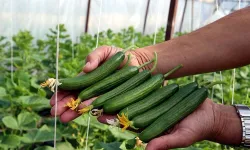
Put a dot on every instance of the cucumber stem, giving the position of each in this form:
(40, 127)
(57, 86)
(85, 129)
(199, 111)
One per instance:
(156, 61)
(204, 83)
(128, 61)
(149, 62)
(130, 47)
(173, 70)
(214, 83)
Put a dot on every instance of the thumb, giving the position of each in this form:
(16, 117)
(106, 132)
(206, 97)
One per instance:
(169, 141)
(99, 55)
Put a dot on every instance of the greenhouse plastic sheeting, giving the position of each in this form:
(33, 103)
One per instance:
(38, 16)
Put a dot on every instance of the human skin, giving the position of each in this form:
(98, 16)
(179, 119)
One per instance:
(224, 44)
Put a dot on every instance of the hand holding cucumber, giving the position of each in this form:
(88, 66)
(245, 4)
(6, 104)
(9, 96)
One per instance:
(93, 60)
(196, 127)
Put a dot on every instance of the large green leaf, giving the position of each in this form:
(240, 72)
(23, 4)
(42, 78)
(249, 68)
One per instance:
(23, 78)
(34, 102)
(10, 122)
(118, 133)
(41, 135)
(64, 145)
(83, 120)
(26, 121)
(11, 141)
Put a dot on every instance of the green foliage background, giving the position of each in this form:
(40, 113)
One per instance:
(25, 121)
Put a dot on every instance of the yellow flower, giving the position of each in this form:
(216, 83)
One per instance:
(73, 104)
(51, 83)
(85, 109)
(123, 120)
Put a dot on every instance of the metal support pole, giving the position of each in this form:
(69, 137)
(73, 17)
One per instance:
(146, 16)
(171, 19)
(87, 19)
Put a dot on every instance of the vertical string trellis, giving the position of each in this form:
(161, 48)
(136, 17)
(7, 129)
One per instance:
(57, 67)
(192, 25)
(234, 70)
(156, 22)
(221, 76)
(97, 42)
(72, 30)
(214, 74)
(11, 42)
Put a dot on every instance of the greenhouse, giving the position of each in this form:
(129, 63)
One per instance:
(124, 74)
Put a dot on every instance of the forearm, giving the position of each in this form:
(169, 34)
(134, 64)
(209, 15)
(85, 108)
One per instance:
(227, 128)
(222, 45)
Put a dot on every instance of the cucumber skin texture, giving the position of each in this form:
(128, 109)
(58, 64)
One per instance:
(98, 74)
(146, 118)
(124, 87)
(119, 102)
(150, 101)
(109, 82)
(174, 115)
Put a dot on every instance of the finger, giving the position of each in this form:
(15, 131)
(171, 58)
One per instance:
(103, 118)
(72, 114)
(169, 141)
(60, 96)
(61, 105)
(95, 58)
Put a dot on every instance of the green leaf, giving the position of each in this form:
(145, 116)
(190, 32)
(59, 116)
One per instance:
(41, 92)
(34, 84)
(44, 148)
(34, 102)
(4, 104)
(11, 141)
(26, 121)
(22, 75)
(108, 146)
(41, 135)
(64, 145)
(2, 92)
(117, 132)
(83, 120)
(10, 122)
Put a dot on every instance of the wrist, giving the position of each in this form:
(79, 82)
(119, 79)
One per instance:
(228, 127)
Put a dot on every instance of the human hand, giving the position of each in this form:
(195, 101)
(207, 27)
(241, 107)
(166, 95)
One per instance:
(209, 121)
(93, 60)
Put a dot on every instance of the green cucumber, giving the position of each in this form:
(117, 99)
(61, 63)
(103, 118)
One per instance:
(174, 115)
(150, 101)
(146, 118)
(111, 81)
(124, 87)
(121, 101)
(83, 81)
(94, 76)
(129, 84)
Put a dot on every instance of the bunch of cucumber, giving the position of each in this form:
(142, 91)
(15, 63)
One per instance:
(137, 97)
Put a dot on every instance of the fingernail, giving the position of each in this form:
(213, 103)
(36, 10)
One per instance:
(86, 65)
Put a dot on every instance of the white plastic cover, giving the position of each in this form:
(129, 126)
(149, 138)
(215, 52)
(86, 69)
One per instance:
(38, 16)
